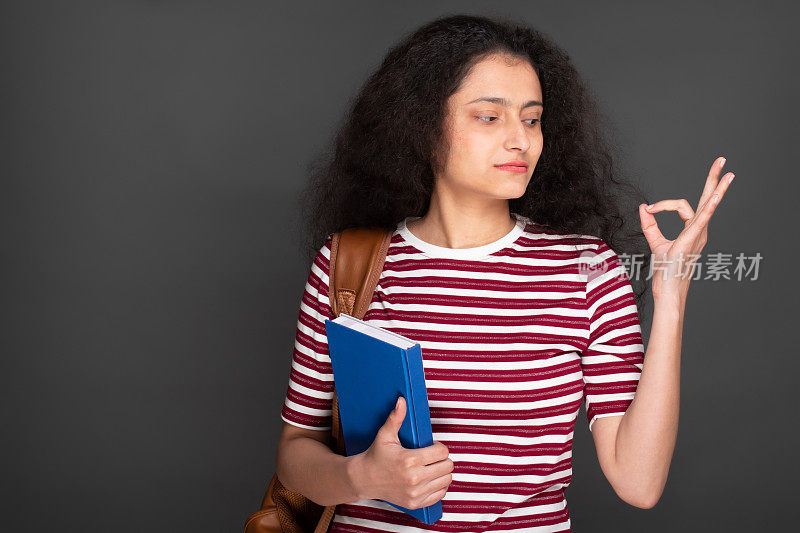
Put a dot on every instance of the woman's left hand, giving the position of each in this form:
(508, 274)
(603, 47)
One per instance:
(673, 260)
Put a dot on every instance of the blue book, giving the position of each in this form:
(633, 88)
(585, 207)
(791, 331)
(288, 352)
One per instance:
(372, 367)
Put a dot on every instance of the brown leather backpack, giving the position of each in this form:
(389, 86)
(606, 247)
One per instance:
(357, 257)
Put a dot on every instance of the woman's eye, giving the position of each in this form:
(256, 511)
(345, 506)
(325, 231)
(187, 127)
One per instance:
(535, 120)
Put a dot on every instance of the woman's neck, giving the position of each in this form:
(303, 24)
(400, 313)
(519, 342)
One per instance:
(462, 228)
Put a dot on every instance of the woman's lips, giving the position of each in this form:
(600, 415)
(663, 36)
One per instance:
(512, 168)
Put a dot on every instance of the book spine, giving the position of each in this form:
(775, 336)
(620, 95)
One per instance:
(410, 406)
(422, 417)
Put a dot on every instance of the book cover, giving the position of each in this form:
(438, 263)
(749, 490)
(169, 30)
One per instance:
(372, 367)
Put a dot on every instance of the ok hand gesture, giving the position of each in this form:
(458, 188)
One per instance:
(672, 267)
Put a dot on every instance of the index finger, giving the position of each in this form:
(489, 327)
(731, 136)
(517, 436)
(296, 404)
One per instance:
(434, 453)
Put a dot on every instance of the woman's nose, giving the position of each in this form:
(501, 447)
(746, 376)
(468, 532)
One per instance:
(517, 137)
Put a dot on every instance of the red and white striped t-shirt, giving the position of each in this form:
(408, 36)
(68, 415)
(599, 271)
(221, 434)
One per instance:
(515, 334)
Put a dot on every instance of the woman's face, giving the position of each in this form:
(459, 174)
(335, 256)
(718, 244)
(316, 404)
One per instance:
(494, 118)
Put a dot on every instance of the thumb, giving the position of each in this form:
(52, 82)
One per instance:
(396, 417)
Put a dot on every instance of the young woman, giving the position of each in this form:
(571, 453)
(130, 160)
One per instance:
(477, 141)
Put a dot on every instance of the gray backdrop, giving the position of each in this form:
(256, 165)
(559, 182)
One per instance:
(152, 152)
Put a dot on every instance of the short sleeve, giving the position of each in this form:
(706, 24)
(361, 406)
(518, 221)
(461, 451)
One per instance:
(614, 356)
(309, 395)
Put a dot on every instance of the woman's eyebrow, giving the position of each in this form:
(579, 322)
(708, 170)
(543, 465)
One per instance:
(504, 102)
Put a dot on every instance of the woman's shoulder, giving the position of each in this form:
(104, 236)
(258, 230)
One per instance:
(543, 233)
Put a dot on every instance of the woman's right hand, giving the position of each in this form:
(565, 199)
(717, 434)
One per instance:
(410, 478)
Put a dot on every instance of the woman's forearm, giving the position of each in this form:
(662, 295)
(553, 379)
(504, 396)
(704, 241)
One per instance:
(309, 467)
(647, 432)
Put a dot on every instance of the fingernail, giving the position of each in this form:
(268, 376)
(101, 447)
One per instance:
(397, 403)
(650, 206)
(730, 178)
(722, 162)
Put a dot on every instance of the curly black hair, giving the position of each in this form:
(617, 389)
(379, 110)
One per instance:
(384, 157)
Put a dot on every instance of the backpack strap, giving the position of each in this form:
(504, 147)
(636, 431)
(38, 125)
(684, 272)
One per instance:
(357, 257)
